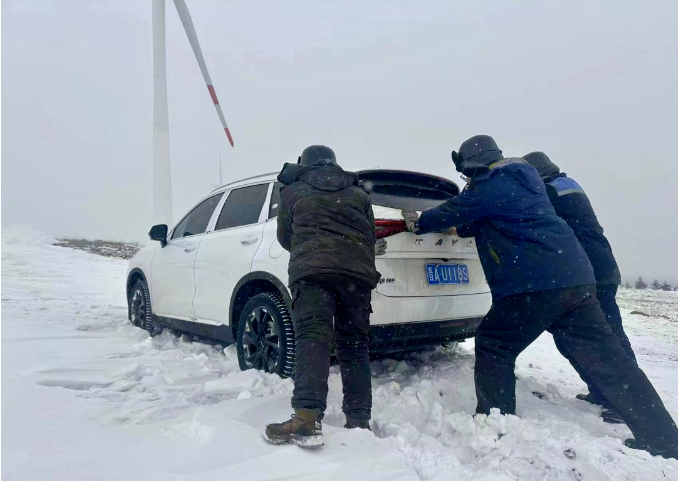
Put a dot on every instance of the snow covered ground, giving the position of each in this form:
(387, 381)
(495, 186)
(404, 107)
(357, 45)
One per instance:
(87, 396)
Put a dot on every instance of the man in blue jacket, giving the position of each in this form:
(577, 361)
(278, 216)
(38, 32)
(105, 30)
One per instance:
(541, 279)
(572, 204)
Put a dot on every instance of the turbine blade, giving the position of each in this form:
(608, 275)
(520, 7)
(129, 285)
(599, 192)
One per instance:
(185, 17)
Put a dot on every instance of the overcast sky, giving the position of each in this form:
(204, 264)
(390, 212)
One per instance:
(385, 83)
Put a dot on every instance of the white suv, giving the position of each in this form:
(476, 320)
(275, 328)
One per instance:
(221, 273)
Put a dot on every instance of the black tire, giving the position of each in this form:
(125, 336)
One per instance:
(140, 312)
(265, 336)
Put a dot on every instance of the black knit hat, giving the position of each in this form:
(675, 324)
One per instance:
(476, 155)
(542, 163)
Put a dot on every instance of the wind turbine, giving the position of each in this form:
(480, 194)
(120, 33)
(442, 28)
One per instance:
(162, 179)
(221, 180)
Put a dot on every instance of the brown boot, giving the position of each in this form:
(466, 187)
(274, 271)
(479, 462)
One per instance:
(352, 423)
(304, 429)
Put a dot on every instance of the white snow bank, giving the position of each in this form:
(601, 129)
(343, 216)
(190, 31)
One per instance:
(92, 397)
(23, 234)
(249, 383)
(657, 305)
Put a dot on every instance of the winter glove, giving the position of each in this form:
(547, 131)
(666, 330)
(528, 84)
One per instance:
(411, 220)
(465, 230)
(380, 247)
(450, 231)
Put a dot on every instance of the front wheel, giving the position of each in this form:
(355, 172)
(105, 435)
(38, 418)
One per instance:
(265, 337)
(140, 313)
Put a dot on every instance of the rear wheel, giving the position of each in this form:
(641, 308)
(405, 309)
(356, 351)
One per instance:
(265, 337)
(140, 313)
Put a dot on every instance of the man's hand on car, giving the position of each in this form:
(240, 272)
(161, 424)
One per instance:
(380, 247)
(411, 220)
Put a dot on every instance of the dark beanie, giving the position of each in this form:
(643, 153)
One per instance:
(541, 162)
(477, 154)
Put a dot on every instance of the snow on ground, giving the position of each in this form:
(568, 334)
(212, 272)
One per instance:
(88, 396)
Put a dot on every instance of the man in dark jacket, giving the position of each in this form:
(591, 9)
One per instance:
(541, 279)
(326, 222)
(572, 204)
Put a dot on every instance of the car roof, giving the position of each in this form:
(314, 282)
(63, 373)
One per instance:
(249, 180)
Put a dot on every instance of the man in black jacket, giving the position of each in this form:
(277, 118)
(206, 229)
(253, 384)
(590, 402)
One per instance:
(326, 223)
(572, 204)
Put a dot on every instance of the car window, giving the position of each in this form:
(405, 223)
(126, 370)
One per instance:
(406, 190)
(196, 221)
(242, 207)
(404, 197)
(275, 201)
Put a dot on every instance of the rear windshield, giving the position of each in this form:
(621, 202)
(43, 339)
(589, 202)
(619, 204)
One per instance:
(406, 190)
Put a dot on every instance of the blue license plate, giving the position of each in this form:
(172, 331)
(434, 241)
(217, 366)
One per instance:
(447, 274)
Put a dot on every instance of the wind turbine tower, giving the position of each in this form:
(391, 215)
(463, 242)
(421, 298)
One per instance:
(162, 178)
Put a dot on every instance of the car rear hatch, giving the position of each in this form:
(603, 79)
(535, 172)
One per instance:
(410, 259)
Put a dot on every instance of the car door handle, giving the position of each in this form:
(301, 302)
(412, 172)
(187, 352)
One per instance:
(189, 248)
(249, 240)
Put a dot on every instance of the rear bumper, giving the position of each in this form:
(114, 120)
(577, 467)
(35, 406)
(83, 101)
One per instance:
(404, 337)
(408, 310)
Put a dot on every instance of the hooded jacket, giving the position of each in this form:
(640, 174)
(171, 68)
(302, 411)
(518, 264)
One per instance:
(573, 205)
(523, 245)
(326, 222)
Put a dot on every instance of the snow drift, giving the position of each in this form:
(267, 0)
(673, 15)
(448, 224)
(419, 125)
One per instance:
(88, 396)
(20, 234)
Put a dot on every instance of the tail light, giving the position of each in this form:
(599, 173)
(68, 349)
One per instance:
(385, 228)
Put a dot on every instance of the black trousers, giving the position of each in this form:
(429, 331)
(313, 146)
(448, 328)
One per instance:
(607, 297)
(606, 294)
(326, 308)
(579, 330)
